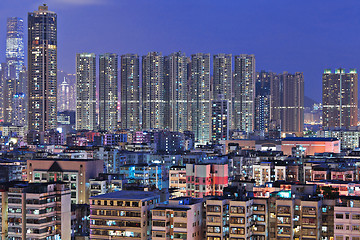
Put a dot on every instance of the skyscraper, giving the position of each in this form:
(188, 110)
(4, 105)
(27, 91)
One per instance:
(86, 91)
(222, 72)
(9, 88)
(130, 92)
(15, 60)
(244, 93)
(287, 100)
(2, 90)
(19, 105)
(219, 120)
(340, 98)
(15, 54)
(177, 77)
(263, 100)
(108, 91)
(42, 69)
(200, 96)
(63, 96)
(153, 91)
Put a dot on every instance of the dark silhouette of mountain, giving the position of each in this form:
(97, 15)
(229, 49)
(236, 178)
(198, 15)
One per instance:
(308, 102)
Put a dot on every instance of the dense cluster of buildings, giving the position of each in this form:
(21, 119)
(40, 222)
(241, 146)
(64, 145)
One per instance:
(184, 152)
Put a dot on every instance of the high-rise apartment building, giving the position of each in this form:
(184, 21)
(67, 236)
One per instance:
(130, 92)
(340, 98)
(177, 78)
(42, 69)
(244, 93)
(86, 91)
(200, 96)
(9, 85)
(219, 120)
(263, 100)
(19, 106)
(2, 95)
(222, 73)
(287, 100)
(108, 91)
(153, 91)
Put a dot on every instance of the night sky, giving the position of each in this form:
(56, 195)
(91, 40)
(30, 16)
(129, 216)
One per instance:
(284, 35)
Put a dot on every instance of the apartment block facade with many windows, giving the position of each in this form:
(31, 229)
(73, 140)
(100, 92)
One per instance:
(35, 211)
(181, 218)
(206, 179)
(122, 215)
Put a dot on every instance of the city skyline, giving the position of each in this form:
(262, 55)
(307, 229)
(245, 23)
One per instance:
(296, 48)
(202, 142)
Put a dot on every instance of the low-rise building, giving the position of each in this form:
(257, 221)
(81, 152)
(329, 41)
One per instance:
(310, 146)
(177, 180)
(35, 211)
(122, 215)
(181, 218)
(75, 172)
(206, 179)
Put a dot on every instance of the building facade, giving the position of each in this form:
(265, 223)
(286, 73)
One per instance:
(222, 73)
(263, 101)
(200, 96)
(108, 92)
(244, 93)
(177, 77)
(340, 98)
(75, 172)
(42, 69)
(130, 92)
(35, 211)
(86, 91)
(185, 215)
(14, 83)
(122, 215)
(220, 120)
(287, 102)
(153, 91)
(206, 179)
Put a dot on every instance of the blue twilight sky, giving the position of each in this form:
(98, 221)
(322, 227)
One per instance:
(284, 35)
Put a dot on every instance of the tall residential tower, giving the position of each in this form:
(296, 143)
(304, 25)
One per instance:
(340, 98)
(287, 102)
(130, 92)
(108, 91)
(263, 100)
(244, 93)
(176, 75)
(153, 91)
(86, 91)
(222, 73)
(200, 96)
(42, 69)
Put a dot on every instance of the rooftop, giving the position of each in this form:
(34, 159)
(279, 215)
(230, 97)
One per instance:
(310, 139)
(130, 195)
(173, 207)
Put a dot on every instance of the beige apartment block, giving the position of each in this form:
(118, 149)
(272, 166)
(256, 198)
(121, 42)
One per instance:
(182, 218)
(122, 215)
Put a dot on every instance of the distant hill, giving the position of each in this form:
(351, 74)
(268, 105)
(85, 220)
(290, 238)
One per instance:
(308, 102)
